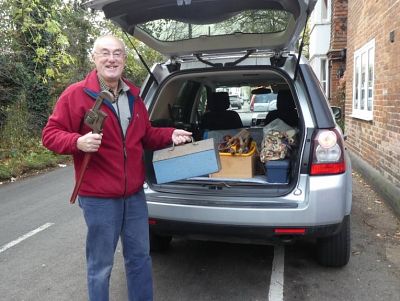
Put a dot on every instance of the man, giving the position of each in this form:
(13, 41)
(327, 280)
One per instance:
(111, 194)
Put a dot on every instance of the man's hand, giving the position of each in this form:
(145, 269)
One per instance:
(89, 143)
(181, 136)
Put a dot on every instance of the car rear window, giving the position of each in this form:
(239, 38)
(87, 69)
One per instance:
(246, 22)
(264, 98)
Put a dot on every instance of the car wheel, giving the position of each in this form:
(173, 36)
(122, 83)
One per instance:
(334, 251)
(159, 243)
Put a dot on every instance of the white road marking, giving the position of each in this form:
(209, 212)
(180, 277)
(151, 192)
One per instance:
(278, 268)
(25, 236)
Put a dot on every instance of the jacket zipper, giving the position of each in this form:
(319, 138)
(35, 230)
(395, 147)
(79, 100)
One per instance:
(124, 151)
(125, 159)
(131, 124)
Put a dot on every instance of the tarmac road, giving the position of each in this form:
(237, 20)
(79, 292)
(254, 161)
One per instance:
(42, 255)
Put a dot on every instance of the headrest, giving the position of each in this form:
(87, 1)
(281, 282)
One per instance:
(284, 101)
(219, 101)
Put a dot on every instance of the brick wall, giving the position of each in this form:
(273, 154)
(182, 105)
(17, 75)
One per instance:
(377, 141)
(338, 42)
(339, 24)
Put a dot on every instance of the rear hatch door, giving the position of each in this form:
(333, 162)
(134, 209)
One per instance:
(177, 28)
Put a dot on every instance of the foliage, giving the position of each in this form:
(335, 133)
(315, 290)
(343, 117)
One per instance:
(81, 28)
(20, 152)
(15, 133)
(48, 43)
(35, 40)
(32, 159)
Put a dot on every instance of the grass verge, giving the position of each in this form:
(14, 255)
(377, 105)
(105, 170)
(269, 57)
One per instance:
(15, 164)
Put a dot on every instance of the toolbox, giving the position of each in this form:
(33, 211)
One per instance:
(239, 166)
(277, 171)
(186, 161)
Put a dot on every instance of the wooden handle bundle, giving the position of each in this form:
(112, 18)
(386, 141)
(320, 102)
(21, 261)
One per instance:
(238, 144)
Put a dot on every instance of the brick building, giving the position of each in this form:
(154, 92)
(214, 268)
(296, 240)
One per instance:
(363, 77)
(372, 105)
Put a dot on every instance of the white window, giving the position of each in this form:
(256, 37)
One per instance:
(363, 81)
(324, 75)
(324, 9)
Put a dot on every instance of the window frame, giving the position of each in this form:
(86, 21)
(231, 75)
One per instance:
(324, 74)
(363, 85)
(325, 11)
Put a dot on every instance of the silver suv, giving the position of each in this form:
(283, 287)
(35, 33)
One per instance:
(216, 45)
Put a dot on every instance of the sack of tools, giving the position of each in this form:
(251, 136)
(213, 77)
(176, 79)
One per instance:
(278, 142)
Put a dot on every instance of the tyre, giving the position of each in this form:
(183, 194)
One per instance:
(334, 251)
(159, 243)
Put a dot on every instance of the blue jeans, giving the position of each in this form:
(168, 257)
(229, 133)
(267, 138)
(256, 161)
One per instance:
(107, 220)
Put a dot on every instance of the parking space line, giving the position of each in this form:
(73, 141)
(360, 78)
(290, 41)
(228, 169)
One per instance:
(25, 236)
(277, 275)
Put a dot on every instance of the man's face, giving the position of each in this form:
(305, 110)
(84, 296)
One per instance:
(109, 57)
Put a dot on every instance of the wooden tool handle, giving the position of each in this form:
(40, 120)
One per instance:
(84, 165)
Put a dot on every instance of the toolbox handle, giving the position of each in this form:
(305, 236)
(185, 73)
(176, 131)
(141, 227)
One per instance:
(173, 144)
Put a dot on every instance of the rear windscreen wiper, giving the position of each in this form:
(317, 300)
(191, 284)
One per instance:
(228, 64)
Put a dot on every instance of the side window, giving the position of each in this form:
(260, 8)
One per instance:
(182, 110)
(363, 81)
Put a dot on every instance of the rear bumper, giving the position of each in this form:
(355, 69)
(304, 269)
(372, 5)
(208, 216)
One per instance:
(228, 232)
(327, 204)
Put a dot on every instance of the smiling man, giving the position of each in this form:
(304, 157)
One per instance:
(111, 194)
(109, 57)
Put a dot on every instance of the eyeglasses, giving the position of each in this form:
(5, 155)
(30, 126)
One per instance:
(106, 54)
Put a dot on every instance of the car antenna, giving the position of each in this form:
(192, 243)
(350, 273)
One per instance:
(142, 59)
(301, 48)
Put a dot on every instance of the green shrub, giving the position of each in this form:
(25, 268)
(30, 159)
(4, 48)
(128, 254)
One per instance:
(5, 173)
(20, 151)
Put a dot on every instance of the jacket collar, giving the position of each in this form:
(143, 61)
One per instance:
(92, 88)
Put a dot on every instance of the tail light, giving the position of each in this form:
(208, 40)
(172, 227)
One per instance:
(328, 153)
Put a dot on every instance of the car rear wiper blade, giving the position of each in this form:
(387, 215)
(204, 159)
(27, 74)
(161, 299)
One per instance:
(231, 64)
(216, 65)
(228, 64)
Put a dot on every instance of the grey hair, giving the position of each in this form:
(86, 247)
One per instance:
(106, 36)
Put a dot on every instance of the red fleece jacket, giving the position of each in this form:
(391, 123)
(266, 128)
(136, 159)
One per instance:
(109, 173)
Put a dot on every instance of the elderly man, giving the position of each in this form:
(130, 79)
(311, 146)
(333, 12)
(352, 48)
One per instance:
(111, 194)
